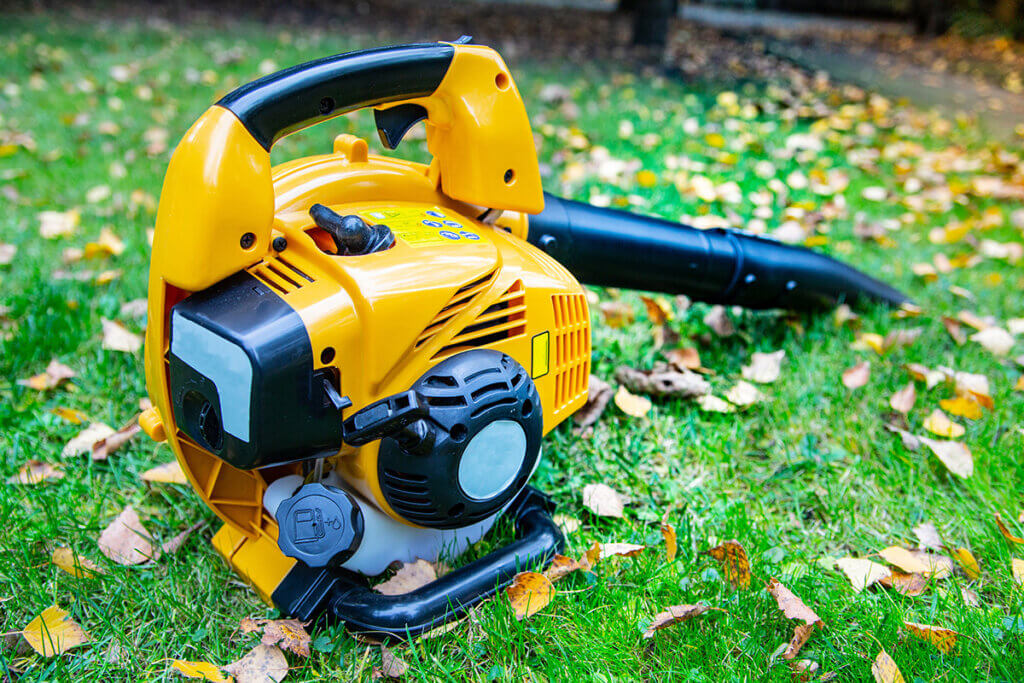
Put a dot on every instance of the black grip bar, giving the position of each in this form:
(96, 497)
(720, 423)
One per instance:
(613, 248)
(309, 93)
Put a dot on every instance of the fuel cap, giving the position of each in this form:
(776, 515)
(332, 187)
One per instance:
(320, 525)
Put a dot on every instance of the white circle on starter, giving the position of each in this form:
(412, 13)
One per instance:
(492, 459)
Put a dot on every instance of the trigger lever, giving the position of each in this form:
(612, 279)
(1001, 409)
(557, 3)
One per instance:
(394, 123)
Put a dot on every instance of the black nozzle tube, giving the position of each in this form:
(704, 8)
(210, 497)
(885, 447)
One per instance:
(613, 248)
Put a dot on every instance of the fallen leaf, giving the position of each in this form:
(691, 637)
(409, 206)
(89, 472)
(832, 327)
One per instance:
(956, 456)
(668, 532)
(136, 308)
(927, 536)
(719, 322)
(937, 566)
(591, 557)
(7, 252)
(903, 400)
(168, 473)
(857, 376)
(661, 382)
(963, 405)
(203, 670)
(616, 314)
(904, 559)
(734, 561)
(905, 584)
(970, 597)
(764, 368)
(73, 416)
(107, 445)
(1005, 531)
(620, 550)
(684, 359)
(529, 593)
(955, 330)
(939, 423)
(287, 634)
(884, 669)
(599, 393)
(108, 244)
(910, 442)
(263, 664)
(792, 606)
(862, 573)
(924, 374)
(409, 577)
(943, 639)
(172, 545)
(712, 404)
(801, 634)
(603, 500)
(391, 665)
(631, 404)
(561, 566)
(54, 224)
(568, 525)
(970, 565)
(35, 472)
(674, 615)
(994, 339)
(56, 373)
(117, 337)
(79, 567)
(126, 541)
(659, 310)
(743, 394)
(1017, 567)
(86, 440)
(53, 632)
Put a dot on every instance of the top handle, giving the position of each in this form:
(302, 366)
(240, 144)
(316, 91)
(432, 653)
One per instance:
(289, 100)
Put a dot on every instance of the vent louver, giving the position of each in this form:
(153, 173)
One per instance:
(571, 352)
(503, 319)
(280, 275)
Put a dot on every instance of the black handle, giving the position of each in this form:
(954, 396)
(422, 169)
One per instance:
(614, 248)
(307, 593)
(309, 93)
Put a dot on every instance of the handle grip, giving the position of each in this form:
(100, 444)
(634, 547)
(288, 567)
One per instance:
(289, 100)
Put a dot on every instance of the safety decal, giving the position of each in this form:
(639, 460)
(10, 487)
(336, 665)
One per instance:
(419, 227)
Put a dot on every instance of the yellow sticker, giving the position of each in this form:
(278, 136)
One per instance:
(420, 227)
(539, 361)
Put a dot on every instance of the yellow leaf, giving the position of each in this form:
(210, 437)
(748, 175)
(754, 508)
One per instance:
(713, 404)
(54, 224)
(79, 567)
(870, 340)
(963, 405)
(529, 593)
(35, 472)
(943, 639)
(1019, 386)
(53, 632)
(884, 669)
(956, 456)
(108, 244)
(734, 561)
(203, 670)
(1005, 531)
(561, 566)
(967, 561)
(939, 423)
(70, 414)
(168, 473)
(56, 373)
(904, 559)
(1017, 567)
(659, 310)
(862, 573)
(668, 532)
(631, 404)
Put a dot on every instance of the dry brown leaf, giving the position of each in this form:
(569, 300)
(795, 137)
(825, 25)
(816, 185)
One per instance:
(967, 562)
(719, 322)
(995, 340)
(1017, 570)
(970, 597)
(599, 393)
(734, 562)
(884, 669)
(764, 368)
(179, 539)
(287, 634)
(203, 670)
(603, 500)
(35, 472)
(792, 606)
(801, 634)
(620, 550)
(74, 564)
(591, 557)
(561, 566)
(86, 440)
(630, 404)
(903, 400)
(54, 224)
(857, 376)
(862, 573)
(659, 310)
(668, 532)
(126, 541)
(117, 337)
(927, 536)
(53, 632)
(262, 664)
(661, 381)
(684, 359)
(904, 559)
(391, 665)
(409, 577)
(1005, 531)
(56, 374)
(107, 445)
(955, 330)
(616, 313)
(674, 615)
(937, 566)
(956, 456)
(910, 442)
(924, 374)
(943, 639)
(905, 584)
(168, 473)
(568, 525)
(963, 405)
(938, 423)
(529, 593)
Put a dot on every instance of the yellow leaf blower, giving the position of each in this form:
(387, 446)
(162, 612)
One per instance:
(355, 357)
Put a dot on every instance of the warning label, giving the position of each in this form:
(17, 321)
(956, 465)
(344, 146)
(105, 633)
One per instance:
(419, 227)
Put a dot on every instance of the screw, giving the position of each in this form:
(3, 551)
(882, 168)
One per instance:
(280, 244)
(248, 239)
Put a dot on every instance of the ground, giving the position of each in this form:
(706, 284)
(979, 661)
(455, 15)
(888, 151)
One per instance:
(97, 99)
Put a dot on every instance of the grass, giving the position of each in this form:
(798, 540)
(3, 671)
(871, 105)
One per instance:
(810, 473)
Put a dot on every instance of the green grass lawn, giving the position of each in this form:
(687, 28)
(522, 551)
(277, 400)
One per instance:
(808, 474)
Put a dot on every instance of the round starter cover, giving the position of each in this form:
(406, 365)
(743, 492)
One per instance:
(320, 525)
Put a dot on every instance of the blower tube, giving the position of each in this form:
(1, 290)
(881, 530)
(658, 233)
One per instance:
(612, 248)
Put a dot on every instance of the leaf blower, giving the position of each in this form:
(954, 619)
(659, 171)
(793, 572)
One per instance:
(355, 358)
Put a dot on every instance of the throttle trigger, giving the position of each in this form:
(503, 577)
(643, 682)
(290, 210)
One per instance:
(394, 123)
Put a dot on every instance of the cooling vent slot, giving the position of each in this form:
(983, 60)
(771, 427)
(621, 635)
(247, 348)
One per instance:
(571, 353)
(409, 494)
(503, 319)
(458, 303)
(280, 275)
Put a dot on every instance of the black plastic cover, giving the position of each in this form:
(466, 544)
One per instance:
(319, 525)
(309, 93)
